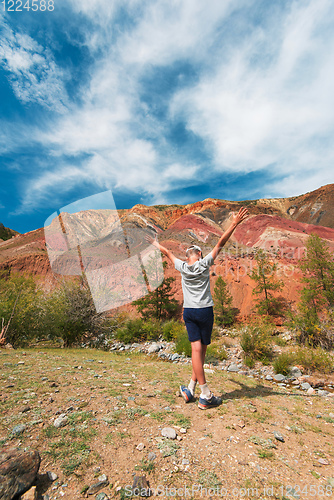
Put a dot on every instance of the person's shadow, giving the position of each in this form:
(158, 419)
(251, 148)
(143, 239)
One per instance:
(244, 391)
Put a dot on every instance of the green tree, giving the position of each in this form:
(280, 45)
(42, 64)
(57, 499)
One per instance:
(314, 314)
(266, 284)
(224, 312)
(318, 268)
(19, 308)
(158, 304)
(69, 313)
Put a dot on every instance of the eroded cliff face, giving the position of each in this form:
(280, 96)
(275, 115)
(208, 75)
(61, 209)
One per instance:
(280, 226)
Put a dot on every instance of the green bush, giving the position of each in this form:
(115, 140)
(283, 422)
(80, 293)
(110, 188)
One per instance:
(171, 329)
(20, 308)
(152, 329)
(215, 353)
(283, 363)
(256, 342)
(311, 330)
(314, 359)
(69, 314)
(310, 359)
(138, 330)
(132, 331)
(182, 344)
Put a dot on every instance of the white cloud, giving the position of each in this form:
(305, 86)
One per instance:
(32, 71)
(280, 113)
(262, 98)
(174, 30)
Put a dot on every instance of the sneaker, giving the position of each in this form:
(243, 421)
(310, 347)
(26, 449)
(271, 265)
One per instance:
(186, 394)
(204, 404)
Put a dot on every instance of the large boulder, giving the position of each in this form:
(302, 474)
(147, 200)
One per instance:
(18, 471)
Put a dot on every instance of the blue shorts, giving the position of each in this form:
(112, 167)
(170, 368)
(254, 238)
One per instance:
(199, 323)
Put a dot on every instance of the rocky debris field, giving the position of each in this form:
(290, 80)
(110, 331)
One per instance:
(113, 424)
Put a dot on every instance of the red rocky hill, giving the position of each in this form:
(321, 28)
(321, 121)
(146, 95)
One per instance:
(279, 225)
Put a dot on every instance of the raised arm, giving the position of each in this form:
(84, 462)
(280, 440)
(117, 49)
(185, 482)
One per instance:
(237, 219)
(162, 249)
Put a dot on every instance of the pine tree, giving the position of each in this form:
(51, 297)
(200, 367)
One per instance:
(224, 312)
(267, 283)
(318, 268)
(315, 309)
(158, 304)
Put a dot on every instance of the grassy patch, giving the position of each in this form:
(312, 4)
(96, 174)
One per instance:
(310, 359)
(168, 448)
(145, 466)
(208, 479)
(266, 454)
(181, 420)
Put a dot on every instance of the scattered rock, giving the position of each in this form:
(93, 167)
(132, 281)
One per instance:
(310, 391)
(279, 377)
(102, 481)
(18, 429)
(151, 456)
(305, 386)
(169, 432)
(141, 485)
(140, 447)
(153, 348)
(279, 436)
(61, 421)
(25, 409)
(101, 496)
(323, 461)
(295, 372)
(233, 367)
(52, 476)
(183, 430)
(18, 471)
(30, 494)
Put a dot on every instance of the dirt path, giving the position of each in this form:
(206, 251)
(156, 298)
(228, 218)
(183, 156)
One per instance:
(115, 401)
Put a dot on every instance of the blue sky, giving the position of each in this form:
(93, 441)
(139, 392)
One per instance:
(163, 102)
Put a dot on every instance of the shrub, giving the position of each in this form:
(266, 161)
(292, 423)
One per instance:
(137, 330)
(314, 359)
(283, 363)
(171, 329)
(182, 344)
(20, 308)
(215, 353)
(256, 342)
(132, 331)
(310, 359)
(152, 329)
(69, 313)
(311, 330)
